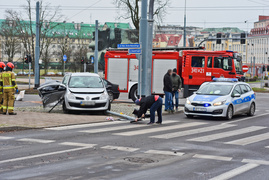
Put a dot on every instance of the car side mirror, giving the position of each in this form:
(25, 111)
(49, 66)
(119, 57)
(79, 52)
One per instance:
(62, 87)
(236, 95)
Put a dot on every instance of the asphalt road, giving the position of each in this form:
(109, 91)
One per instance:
(181, 148)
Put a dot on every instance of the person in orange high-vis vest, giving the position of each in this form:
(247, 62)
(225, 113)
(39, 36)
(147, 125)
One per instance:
(2, 66)
(9, 86)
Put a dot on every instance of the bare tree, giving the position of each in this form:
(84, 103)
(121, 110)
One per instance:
(80, 53)
(65, 49)
(12, 44)
(131, 10)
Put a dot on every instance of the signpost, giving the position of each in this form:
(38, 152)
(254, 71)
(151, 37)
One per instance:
(128, 46)
(245, 68)
(64, 59)
(134, 51)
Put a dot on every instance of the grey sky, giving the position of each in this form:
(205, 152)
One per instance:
(202, 13)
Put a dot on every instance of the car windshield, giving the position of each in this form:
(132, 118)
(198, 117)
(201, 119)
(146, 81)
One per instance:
(215, 89)
(85, 82)
(238, 66)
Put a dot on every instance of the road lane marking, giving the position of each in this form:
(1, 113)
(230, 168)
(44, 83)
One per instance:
(158, 129)
(244, 119)
(260, 162)
(78, 144)
(42, 155)
(170, 153)
(193, 131)
(221, 158)
(235, 172)
(227, 134)
(116, 128)
(36, 140)
(5, 138)
(84, 126)
(250, 140)
(120, 148)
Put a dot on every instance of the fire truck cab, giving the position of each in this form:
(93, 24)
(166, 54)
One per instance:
(194, 67)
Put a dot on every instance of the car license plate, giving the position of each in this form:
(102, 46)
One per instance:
(199, 109)
(84, 103)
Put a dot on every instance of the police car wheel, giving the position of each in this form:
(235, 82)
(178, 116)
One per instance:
(229, 114)
(189, 116)
(251, 111)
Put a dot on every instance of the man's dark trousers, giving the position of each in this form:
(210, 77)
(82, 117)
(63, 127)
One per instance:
(157, 106)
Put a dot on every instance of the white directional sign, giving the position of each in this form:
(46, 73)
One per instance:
(128, 46)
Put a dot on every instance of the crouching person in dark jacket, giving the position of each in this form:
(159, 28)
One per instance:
(154, 103)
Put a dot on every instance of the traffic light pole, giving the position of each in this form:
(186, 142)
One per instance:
(37, 50)
(29, 75)
(96, 48)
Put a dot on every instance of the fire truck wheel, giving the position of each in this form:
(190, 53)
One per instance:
(133, 93)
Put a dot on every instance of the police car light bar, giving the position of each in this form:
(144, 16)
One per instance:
(225, 80)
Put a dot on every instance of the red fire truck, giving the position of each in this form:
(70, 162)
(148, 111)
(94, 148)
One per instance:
(194, 66)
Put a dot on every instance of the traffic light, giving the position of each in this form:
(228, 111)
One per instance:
(26, 59)
(268, 68)
(82, 60)
(218, 38)
(29, 58)
(263, 68)
(243, 38)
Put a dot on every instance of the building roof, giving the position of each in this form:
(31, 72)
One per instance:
(223, 30)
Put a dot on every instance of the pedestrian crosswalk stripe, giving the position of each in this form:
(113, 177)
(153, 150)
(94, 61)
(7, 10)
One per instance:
(227, 134)
(36, 140)
(120, 148)
(159, 128)
(116, 128)
(221, 158)
(78, 144)
(171, 153)
(253, 161)
(235, 172)
(5, 138)
(84, 126)
(250, 140)
(192, 131)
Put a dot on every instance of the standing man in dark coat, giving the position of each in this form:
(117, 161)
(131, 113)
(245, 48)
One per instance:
(177, 84)
(168, 85)
(152, 102)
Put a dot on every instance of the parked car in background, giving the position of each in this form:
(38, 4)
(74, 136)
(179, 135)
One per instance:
(50, 73)
(21, 73)
(112, 90)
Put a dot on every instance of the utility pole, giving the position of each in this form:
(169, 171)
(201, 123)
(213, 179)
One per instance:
(96, 48)
(184, 35)
(143, 58)
(149, 50)
(37, 50)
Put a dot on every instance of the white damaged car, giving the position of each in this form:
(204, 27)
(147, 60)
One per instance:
(221, 98)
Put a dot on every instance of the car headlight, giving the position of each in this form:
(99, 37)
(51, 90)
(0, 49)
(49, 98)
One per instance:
(103, 96)
(71, 96)
(188, 101)
(219, 103)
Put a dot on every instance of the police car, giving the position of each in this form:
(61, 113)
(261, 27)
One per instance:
(223, 97)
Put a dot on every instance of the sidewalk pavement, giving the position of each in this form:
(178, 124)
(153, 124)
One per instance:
(31, 120)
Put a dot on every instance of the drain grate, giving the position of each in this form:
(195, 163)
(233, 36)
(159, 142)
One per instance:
(138, 160)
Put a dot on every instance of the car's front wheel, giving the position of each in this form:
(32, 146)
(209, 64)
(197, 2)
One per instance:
(65, 110)
(229, 114)
(251, 111)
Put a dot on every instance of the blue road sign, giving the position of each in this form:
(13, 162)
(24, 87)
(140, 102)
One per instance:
(92, 59)
(64, 57)
(134, 51)
(128, 46)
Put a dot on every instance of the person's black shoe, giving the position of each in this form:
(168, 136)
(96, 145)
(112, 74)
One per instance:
(150, 123)
(12, 113)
